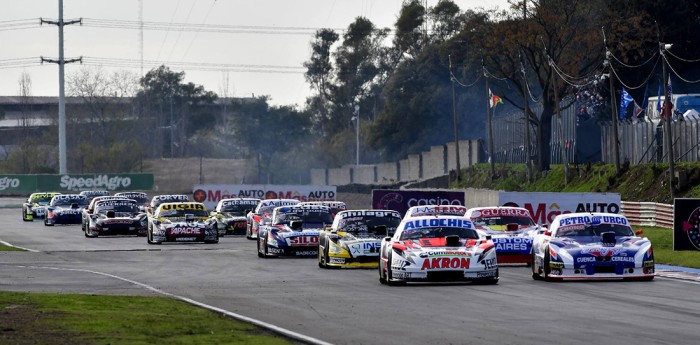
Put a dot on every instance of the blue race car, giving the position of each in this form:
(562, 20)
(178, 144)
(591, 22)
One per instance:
(592, 246)
(65, 209)
(293, 231)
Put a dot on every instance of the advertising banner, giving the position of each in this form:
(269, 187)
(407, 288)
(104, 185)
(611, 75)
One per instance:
(211, 194)
(401, 199)
(686, 224)
(80, 182)
(544, 206)
(17, 184)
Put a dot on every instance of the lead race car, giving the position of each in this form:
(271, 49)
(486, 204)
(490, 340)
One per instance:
(65, 209)
(592, 246)
(262, 215)
(293, 231)
(230, 215)
(354, 239)
(181, 222)
(511, 229)
(35, 205)
(116, 217)
(437, 249)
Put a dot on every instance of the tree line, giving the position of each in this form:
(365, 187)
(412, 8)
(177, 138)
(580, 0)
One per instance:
(397, 80)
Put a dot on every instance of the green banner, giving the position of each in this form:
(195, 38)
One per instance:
(14, 184)
(110, 182)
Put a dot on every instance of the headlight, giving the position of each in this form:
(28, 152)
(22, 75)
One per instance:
(333, 248)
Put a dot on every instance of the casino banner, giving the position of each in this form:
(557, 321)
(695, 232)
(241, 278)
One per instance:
(402, 199)
(686, 224)
(544, 206)
(211, 194)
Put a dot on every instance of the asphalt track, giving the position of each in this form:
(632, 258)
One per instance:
(350, 306)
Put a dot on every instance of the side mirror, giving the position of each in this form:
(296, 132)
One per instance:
(388, 239)
(639, 232)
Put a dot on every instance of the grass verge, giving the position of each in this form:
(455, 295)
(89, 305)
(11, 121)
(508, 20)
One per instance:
(662, 241)
(42, 318)
(4, 248)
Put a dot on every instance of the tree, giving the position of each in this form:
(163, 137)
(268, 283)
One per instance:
(270, 134)
(319, 71)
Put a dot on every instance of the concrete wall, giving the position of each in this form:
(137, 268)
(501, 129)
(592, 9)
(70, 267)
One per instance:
(474, 197)
(439, 161)
(180, 174)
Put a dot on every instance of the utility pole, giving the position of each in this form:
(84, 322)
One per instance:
(528, 161)
(357, 135)
(613, 106)
(454, 117)
(62, 161)
(667, 122)
(564, 157)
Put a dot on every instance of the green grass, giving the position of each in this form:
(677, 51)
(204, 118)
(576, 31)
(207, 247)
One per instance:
(4, 248)
(662, 241)
(91, 319)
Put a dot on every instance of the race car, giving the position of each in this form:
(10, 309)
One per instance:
(355, 237)
(91, 194)
(35, 205)
(592, 246)
(90, 209)
(116, 217)
(437, 249)
(511, 228)
(262, 215)
(140, 197)
(230, 215)
(65, 209)
(435, 210)
(293, 231)
(336, 206)
(159, 199)
(181, 222)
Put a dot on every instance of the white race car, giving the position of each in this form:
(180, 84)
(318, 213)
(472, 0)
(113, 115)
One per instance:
(262, 215)
(436, 249)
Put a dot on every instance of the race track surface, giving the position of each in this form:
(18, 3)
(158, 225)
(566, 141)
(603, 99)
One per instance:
(350, 306)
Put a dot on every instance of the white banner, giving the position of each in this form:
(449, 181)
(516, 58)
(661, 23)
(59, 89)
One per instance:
(211, 194)
(544, 206)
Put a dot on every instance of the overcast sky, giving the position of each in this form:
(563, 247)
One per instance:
(279, 41)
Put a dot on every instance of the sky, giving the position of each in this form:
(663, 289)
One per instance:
(263, 43)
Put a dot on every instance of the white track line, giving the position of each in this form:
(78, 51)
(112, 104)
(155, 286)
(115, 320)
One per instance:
(271, 327)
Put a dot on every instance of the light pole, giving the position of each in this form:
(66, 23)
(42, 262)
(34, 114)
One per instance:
(357, 134)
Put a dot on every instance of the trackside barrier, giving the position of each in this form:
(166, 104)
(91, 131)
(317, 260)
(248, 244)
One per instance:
(648, 213)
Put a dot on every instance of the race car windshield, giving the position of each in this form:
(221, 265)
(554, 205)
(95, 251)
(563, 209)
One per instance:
(370, 225)
(118, 209)
(310, 218)
(594, 230)
(415, 234)
(495, 222)
(42, 200)
(67, 202)
(236, 210)
(182, 213)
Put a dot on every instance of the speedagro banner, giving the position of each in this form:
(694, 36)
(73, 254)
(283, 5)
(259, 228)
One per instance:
(10, 184)
(110, 182)
(210, 195)
(544, 206)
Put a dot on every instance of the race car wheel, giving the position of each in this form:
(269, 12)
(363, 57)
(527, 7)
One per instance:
(321, 260)
(382, 277)
(25, 217)
(149, 237)
(389, 278)
(47, 223)
(535, 269)
(260, 255)
(546, 269)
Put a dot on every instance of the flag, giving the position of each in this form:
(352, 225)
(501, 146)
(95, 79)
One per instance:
(625, 100)
(637, 109)
(658, 98)
(494, 100)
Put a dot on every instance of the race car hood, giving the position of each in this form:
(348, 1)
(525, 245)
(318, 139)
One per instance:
(591, 248)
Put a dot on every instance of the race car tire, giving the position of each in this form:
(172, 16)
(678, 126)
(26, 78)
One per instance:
(47, 223)
(88, 235)
(149, 237)
(321, 262)
(546, 269)
(24, 216)
(260, 255)
(535, 272)
(382, 279)
(389, 280)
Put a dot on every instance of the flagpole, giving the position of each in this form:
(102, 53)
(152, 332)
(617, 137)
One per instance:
(667, 124)
(613, 109)
(490, 130)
